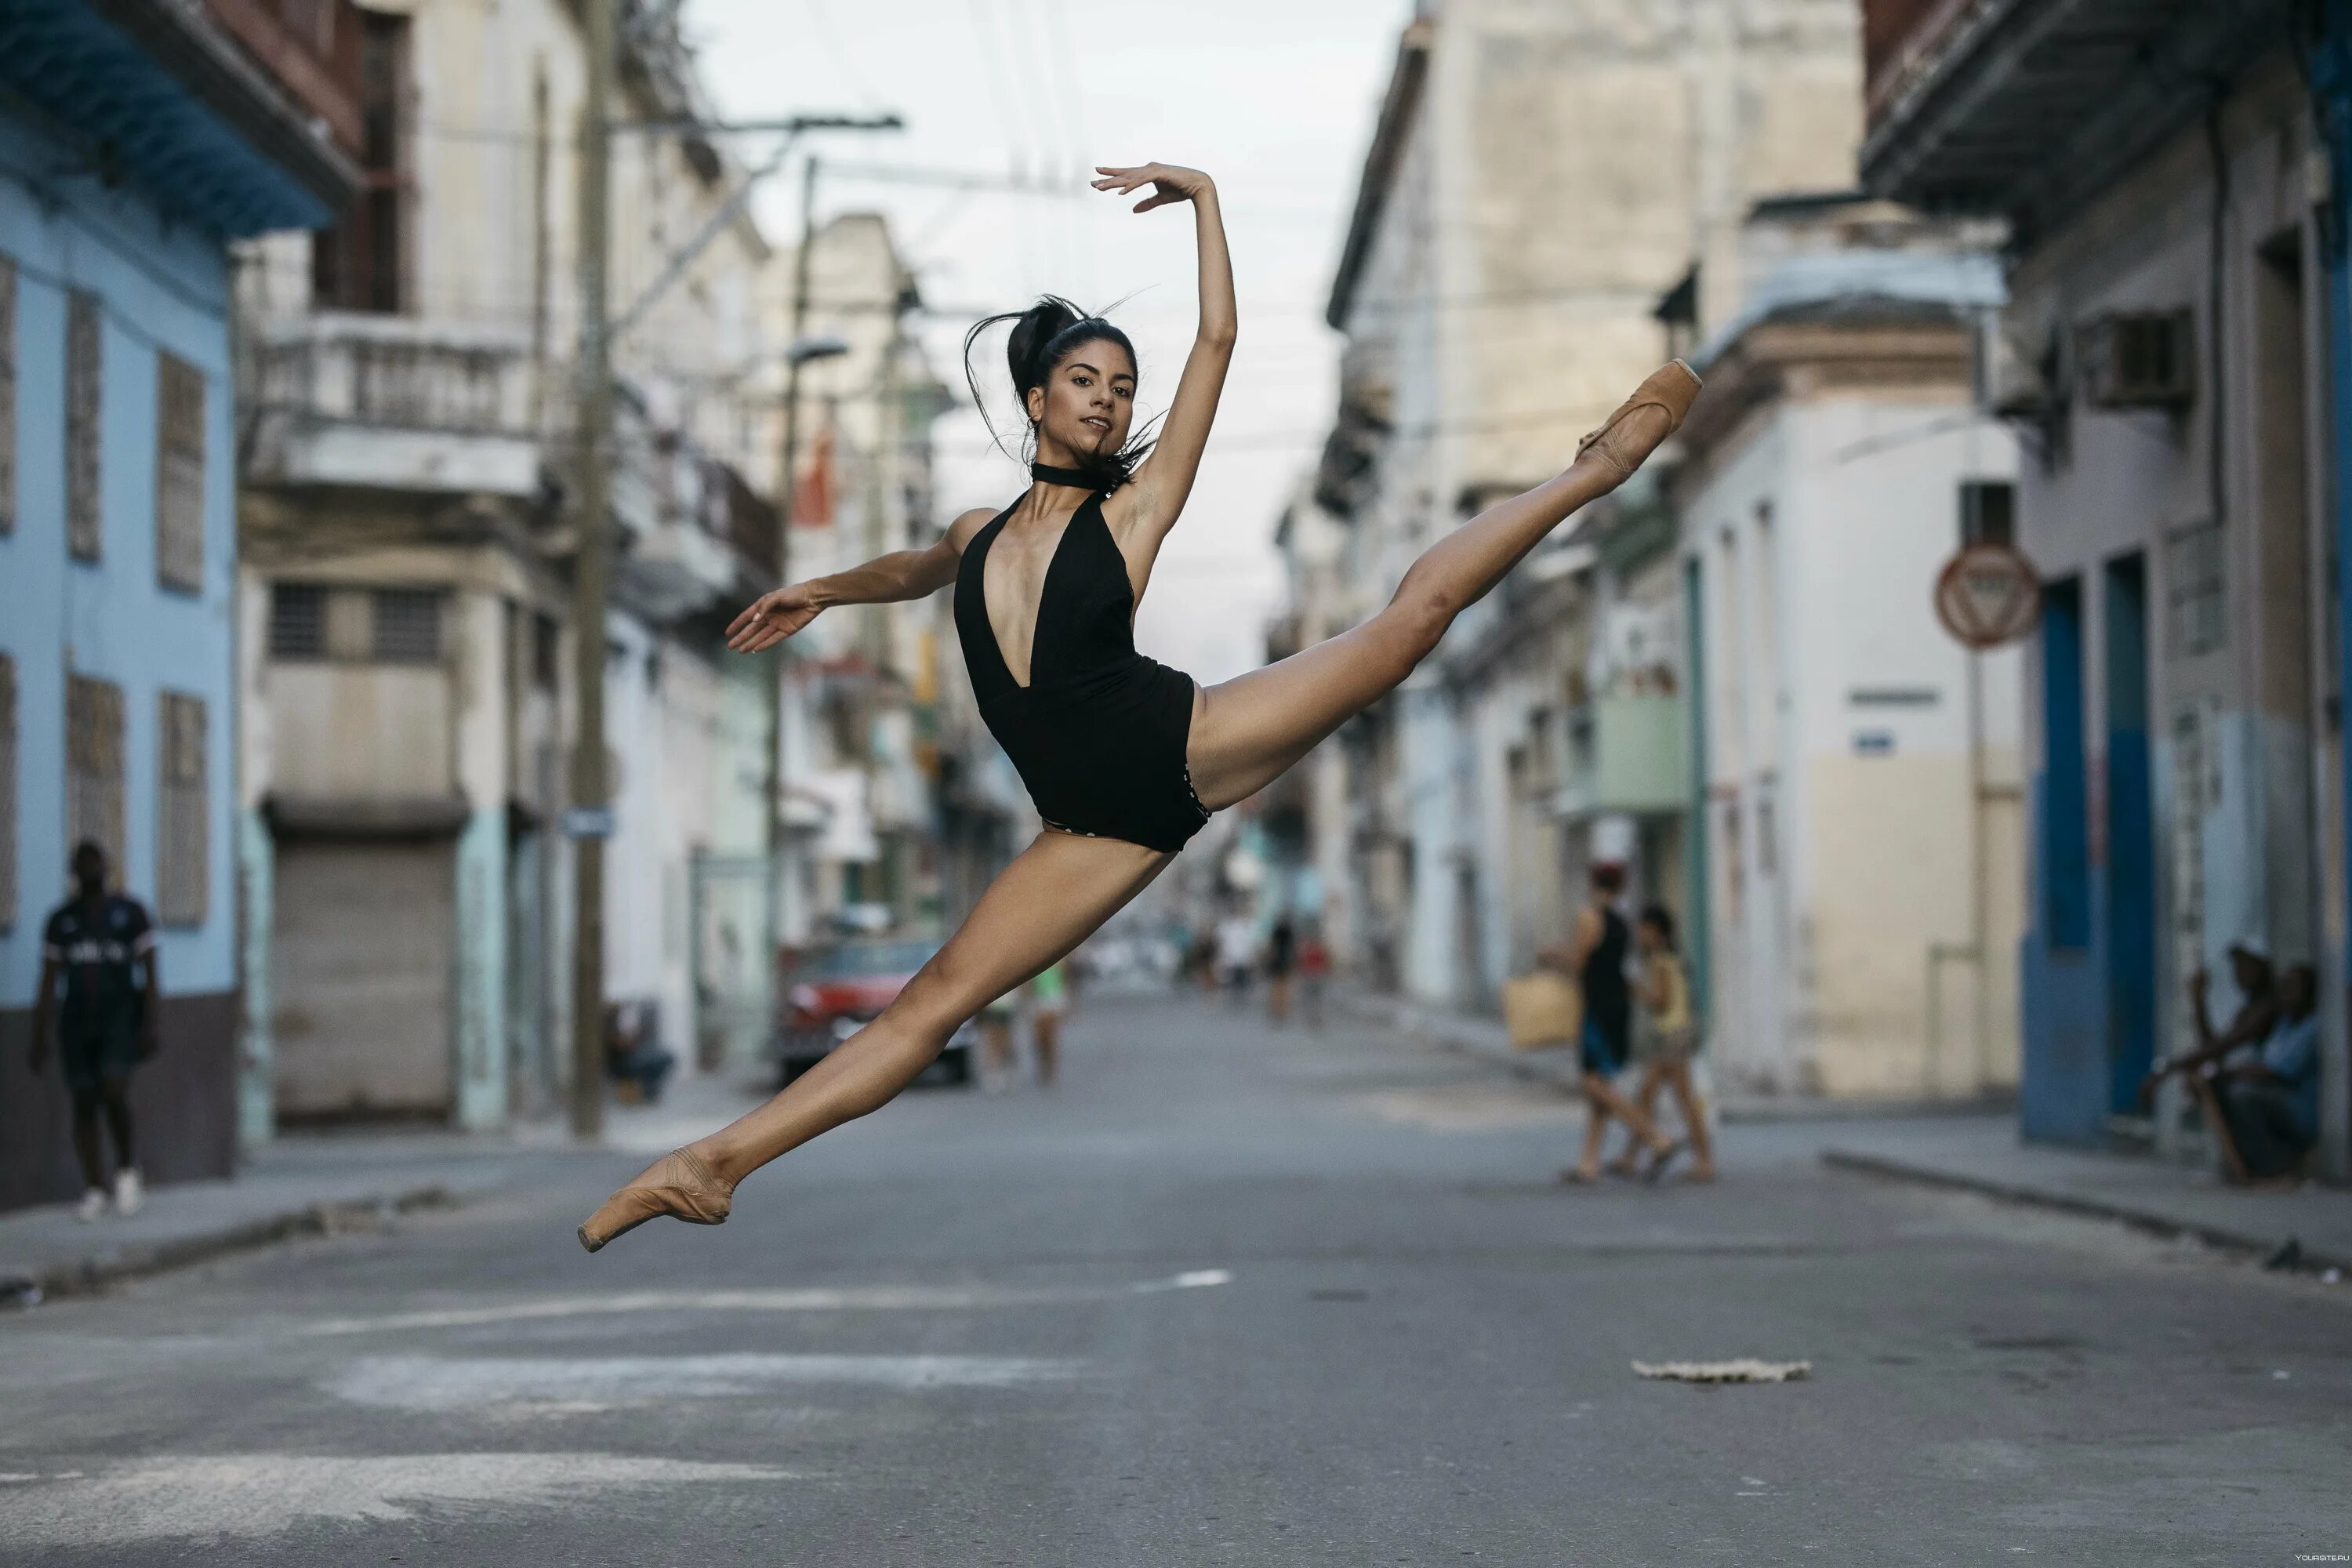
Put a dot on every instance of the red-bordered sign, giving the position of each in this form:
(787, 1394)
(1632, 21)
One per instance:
(1988, 595)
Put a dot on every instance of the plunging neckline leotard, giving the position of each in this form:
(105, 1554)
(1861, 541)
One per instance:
(1099, 734)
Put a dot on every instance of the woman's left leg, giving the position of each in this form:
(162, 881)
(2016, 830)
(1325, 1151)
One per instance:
(1247, 732)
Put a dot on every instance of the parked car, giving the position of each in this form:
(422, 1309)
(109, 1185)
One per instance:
(832, 993)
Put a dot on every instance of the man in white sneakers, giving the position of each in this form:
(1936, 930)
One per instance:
(95, 943)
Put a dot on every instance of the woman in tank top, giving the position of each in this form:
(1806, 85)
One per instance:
(1124, 757)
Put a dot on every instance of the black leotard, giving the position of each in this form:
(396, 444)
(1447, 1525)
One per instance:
(1098, 733)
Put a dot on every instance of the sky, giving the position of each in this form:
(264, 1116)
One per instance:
(1274, 99)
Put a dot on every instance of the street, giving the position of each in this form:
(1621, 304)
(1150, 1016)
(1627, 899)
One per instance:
(1227, 1295)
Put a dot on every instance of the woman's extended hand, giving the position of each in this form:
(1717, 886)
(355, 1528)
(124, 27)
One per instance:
(772, 618)
(1168, 183)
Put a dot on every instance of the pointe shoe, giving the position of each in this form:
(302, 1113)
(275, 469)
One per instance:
(1671, 389)
(678, 1185)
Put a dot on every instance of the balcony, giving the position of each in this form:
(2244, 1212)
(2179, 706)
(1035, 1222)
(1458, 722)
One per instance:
(1626, 753)
(393, 403)
(1969, 97)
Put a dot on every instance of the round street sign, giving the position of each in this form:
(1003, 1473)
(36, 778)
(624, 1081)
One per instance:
(1988, 595)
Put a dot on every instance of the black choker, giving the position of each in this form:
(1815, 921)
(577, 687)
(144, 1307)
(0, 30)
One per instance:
(1046, 474)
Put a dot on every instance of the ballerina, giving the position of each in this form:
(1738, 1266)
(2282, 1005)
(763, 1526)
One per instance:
(1124, 758)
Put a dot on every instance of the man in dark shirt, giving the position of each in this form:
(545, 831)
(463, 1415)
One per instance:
(94, 943)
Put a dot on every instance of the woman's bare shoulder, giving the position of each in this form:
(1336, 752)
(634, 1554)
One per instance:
(966, 524)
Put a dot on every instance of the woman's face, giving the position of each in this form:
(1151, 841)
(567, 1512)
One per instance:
(1088, 402)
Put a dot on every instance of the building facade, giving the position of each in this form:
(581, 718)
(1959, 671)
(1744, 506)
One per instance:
(409, 528)
(137, 140)
(1497, 292)
(2164, 360)
(1857, 790)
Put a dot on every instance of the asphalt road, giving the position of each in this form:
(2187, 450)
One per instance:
(1227, 1296)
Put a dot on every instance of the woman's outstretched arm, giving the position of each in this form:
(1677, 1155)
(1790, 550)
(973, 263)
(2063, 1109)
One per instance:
(887, 579)
(1155, 498)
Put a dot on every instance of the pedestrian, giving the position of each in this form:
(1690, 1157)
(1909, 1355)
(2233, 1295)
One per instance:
(2258, 1012)
(996, 1062)
(1281, 962)
(1124, 758)
(1236, 953)
(2266, 1110)
(1049, 998)
(1668, 1039)
(1314, 975)
(632, 1048)
(98, 944)
(1596, 955)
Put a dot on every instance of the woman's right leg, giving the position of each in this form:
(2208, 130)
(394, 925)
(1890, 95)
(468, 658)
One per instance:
(1050, 898)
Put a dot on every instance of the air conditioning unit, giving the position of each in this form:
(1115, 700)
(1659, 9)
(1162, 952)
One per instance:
(2139, 360)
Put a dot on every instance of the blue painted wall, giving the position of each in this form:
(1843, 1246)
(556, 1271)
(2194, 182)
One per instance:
(163, 285)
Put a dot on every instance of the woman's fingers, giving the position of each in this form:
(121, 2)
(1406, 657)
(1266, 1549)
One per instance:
(750, 614)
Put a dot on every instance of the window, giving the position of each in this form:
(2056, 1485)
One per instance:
(94, 766)
(2194, 586)
(407, 626)
(1988, 513)
(81, 426)
(7, 394)
(178, 474)
(359, 265)
(545, 650)
(7, 792)
(298, 621)
(183, 826)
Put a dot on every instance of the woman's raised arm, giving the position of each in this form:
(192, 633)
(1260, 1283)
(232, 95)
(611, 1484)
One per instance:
(887, 579)
(1165, 479)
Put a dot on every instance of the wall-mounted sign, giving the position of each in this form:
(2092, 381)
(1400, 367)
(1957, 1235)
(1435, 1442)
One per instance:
(588, 822)
(1988, 595)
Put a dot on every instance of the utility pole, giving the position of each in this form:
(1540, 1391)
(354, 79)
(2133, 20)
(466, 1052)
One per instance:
(798, 352)
(590, 821)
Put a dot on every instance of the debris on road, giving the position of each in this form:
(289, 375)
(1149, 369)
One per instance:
(1742, 1369)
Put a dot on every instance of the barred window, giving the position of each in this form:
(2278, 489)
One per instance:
(7, 792)
(2195, 590)
(81, 426)
(408, 625)
(7, 397)
(94, 766)
(178, 473)
(182, 826)
(298, 620)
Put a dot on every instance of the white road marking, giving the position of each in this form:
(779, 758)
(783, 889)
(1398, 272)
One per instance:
(436, 1383)
(253, 1495)
(849, 1298)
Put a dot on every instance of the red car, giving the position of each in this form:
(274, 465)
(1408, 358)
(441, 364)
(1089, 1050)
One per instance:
(831, 995)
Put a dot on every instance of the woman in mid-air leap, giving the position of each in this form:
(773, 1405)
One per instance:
(1124, 757)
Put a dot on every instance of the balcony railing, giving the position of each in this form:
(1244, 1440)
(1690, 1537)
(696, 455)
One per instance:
(392, 402)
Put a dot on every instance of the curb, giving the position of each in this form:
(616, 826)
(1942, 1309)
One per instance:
(92, 1275)
(2150, 1222)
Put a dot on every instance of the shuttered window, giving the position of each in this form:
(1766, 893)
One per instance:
(94, 766)
(178, 474)
(7, 394)
(298, 620)
(7, 792)
(183, 826)
(407, 626)
(81, 426)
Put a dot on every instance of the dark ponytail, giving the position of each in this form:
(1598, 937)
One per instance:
(1043, 336)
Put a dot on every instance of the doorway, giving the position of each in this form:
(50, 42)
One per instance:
(2130, 838)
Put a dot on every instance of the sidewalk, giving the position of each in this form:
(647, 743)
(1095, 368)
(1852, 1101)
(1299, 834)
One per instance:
(318, 1184)
(1556, 1066)
(1965, 1145)
(1984, 1155)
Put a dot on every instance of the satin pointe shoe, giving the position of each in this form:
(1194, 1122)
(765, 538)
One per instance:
(678, 1185)
(1671, 389)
